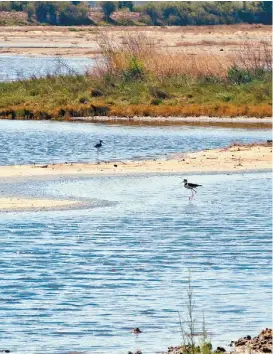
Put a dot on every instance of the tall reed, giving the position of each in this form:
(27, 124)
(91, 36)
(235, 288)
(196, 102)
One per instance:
(139, 49)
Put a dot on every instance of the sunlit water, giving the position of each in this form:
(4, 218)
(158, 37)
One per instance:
(80, 280)
(21, 67)
(24, 142)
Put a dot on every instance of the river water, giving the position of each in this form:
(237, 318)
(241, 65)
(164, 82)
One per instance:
(25, 142)
(22, 67)
(81, 279)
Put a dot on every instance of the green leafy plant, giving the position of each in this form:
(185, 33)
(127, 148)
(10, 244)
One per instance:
(136, 69)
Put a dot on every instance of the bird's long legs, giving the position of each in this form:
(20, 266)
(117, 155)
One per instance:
(193, 192)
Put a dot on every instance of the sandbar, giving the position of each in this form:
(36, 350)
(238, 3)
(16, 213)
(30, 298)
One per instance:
(25, 204)
(237, 157)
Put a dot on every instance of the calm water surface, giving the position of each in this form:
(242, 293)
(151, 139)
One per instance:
(21, 67)
(80, 280)
(24, 142)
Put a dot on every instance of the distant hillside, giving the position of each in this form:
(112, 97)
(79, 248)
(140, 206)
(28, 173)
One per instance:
(176, 13)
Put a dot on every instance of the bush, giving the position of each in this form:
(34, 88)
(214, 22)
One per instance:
(239, 76)
(83, 100)
(156, 101)
(135, 69)
(96, 93)
(157, 93)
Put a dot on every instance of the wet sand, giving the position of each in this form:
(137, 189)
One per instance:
(24, 204)
(236, 122)
(234, 158)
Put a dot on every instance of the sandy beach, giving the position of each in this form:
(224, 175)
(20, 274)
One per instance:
(236, 158)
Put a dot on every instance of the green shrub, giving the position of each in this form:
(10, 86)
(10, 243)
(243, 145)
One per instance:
(239, 76)
(135, 69)
(156, 101)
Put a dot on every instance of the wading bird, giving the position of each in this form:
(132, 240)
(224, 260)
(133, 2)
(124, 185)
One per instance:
(98, 145)
(192, 187)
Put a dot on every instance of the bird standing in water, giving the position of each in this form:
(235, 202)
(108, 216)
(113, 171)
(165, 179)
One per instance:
(98, 145)
(192, 187)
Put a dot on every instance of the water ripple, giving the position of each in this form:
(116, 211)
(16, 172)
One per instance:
(80, 280)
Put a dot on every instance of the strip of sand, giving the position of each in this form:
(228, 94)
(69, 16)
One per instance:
(22, 204)
(240, 158)
(231, 159)
(242, 122)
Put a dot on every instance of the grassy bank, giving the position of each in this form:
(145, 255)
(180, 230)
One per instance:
(138, 80)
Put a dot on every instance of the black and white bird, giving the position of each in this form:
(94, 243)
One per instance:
(192, 187)
(98, 145)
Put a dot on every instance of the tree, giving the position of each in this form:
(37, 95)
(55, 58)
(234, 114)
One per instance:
(30, 10)
(153, 11)
(41, 11)
(17, 5)
(266, 12)
(128, 4)
(108, 7)
(74, 15)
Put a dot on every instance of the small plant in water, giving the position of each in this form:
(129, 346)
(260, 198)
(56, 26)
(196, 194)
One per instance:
(187, 327)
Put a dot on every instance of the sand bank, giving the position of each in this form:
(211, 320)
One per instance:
(236, 158)
(228, 122)
(232, 159)
(81, 41)
(24, 204)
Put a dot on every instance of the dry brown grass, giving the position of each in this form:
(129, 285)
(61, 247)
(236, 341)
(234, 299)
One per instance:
(66, 112)
(166, 63)
(210, 110)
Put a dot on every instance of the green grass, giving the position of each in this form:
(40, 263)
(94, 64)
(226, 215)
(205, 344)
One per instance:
(125, 95)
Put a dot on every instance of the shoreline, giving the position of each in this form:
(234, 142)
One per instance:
(24, 204)
(235, 158)
(262, 343)
(242, 122)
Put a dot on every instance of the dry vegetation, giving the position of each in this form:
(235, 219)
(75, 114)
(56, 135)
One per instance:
(251, 57)
(135, 78)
